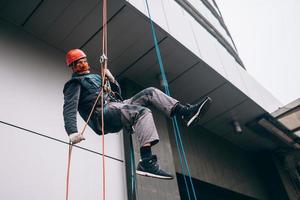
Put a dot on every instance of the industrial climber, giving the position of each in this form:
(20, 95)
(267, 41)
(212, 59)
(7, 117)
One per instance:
(80, 94)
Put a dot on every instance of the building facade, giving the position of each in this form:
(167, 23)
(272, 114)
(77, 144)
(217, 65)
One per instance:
(234, 153)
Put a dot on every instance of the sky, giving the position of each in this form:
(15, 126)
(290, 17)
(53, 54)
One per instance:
(267, 37)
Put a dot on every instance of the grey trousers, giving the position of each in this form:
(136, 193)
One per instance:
(133, 114)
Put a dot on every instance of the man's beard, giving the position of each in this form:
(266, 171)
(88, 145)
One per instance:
(84, 68)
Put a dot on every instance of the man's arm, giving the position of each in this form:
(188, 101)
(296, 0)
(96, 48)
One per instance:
(109, 75)
(71, 97)
(114, 84)
(71, 101)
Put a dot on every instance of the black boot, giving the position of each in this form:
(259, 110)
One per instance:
(191, 114)
(149, 167)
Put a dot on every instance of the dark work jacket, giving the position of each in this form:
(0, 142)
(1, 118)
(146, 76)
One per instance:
(80, 94)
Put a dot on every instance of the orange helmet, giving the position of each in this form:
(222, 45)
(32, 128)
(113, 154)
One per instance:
(73, 55)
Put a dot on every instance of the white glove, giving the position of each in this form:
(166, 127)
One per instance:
(109, 75)
(76, 138)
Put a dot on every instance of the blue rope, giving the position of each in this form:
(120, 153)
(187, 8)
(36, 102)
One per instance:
(132, 164)
(185, 160)
(174, 120)
(180, 159)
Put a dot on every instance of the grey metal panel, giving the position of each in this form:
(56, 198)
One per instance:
(222, 123)
(70, 18)
(224, 99)
(147, 65)
(90, 25)
(249, 140)
(17, 11)
(195, 83)
(135, 41)
(46, 15)
(122, 34)
(175, 60)
(179, 60)
(217, 161)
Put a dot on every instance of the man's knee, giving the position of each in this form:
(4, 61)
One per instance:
(150, 91)
(144, 96)
(144, 110)
(135, 111)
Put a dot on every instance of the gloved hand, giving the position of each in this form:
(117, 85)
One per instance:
(76, 138)
(109, 75)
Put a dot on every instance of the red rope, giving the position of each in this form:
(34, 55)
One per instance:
(103, 148)
(103, 70)
(68, 171)
(103, 67)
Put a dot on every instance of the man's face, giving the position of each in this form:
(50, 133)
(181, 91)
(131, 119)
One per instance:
(81, 66)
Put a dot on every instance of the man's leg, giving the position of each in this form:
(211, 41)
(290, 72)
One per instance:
(170, 106)
(140, 120)
(154, 97)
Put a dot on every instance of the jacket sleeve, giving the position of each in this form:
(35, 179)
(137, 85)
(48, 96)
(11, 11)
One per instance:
(71, 101)
(115, 87)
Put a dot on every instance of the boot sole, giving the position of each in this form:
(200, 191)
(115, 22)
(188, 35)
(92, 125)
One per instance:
(142, 173)
(201, 111)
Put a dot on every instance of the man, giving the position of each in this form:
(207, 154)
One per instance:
(81, 91)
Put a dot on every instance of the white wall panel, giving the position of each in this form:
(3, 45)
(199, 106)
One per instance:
(35, 168)
(259, 94)
(192, 22)
(240, 78)
(179, 26)
(157, 13)
(231, 68)
(208, 50)
(33, 76)
(156, 8)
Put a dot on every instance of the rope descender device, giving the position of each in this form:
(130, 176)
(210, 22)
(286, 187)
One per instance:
(103, 58)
